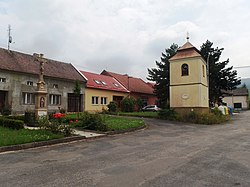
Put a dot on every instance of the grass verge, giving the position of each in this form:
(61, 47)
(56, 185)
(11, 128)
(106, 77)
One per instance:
(139, 114)
(15, 137)
(121, 124)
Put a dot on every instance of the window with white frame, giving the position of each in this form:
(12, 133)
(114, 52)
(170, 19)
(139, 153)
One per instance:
(29, 83)
(28, 98)
(94, 100)
(116, 85)
(54, 99)
(104, 83)
(97, 82)
(2, 79)
(103, 100)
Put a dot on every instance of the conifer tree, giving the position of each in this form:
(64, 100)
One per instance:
(77, 92)
(221, 77)
(160, 76)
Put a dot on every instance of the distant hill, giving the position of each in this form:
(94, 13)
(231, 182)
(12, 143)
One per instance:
(246, 81)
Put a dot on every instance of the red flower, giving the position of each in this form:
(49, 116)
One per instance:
(76, 120)
(71, 121)
(58, 115)
(55, 115)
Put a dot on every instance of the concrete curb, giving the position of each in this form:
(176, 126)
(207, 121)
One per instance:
(40, 144)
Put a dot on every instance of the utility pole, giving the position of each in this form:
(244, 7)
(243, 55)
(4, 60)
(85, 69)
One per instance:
(9, 37)
(208, 77)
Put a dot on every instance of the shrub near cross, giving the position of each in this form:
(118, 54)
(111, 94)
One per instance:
(11, 123)
(57, 124)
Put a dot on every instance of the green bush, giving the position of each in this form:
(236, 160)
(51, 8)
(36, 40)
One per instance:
(11, 123)
(30, 119)
(127, 104)
(68, 119)
(216, 111)
(169, 114)
(62, 110)
(112, 107)
(66, 130)
(139, 103)
(50, 114)
(6, 111)
(21, 117)
(191, 117)
(206, 118)
(55, 126)
(92, 122)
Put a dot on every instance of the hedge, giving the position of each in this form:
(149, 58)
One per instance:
(11, 123)
(21, 117)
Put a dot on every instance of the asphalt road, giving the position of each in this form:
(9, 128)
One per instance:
(165, 154)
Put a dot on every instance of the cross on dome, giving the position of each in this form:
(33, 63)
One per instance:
(187, 37)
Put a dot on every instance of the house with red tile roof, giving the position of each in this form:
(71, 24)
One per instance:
(101, 90)
(137, 87)
(151, 84)
(19, 74)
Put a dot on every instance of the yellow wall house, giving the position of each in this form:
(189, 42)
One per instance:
(100, 90)
(188, 80)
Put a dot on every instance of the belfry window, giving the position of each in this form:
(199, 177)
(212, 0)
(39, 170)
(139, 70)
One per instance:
(184, 70)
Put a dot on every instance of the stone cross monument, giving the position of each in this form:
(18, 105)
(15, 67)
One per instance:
(41, 107)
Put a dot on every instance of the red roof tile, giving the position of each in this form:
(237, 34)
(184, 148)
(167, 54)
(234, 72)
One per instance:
(151, 84)
(133, 84)
(187, 45)
(103, 82)
(20, 62)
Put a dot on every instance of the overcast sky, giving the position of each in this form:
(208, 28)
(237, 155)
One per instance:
(125, 36)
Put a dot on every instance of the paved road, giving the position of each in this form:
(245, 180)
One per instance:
(165, 154)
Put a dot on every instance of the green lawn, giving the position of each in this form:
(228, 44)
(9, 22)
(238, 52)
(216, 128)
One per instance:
(118, 124)
(134, 114)
(139, 114)
(14, 137)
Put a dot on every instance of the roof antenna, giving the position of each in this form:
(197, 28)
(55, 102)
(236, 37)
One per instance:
(9, 37)
(187, 36)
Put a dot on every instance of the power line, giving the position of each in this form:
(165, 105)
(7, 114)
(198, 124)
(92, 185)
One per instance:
(240, 67)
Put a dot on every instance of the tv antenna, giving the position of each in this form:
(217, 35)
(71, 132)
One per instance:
(9, 37)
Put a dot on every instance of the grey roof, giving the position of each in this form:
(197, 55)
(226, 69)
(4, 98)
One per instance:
(24, 63)
(237, 92)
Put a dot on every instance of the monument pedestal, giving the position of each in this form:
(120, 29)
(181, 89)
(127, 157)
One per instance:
(41, 108)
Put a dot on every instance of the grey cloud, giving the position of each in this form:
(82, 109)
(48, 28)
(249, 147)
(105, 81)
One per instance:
(123, 36)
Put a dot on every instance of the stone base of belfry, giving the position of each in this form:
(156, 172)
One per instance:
(186, 110)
